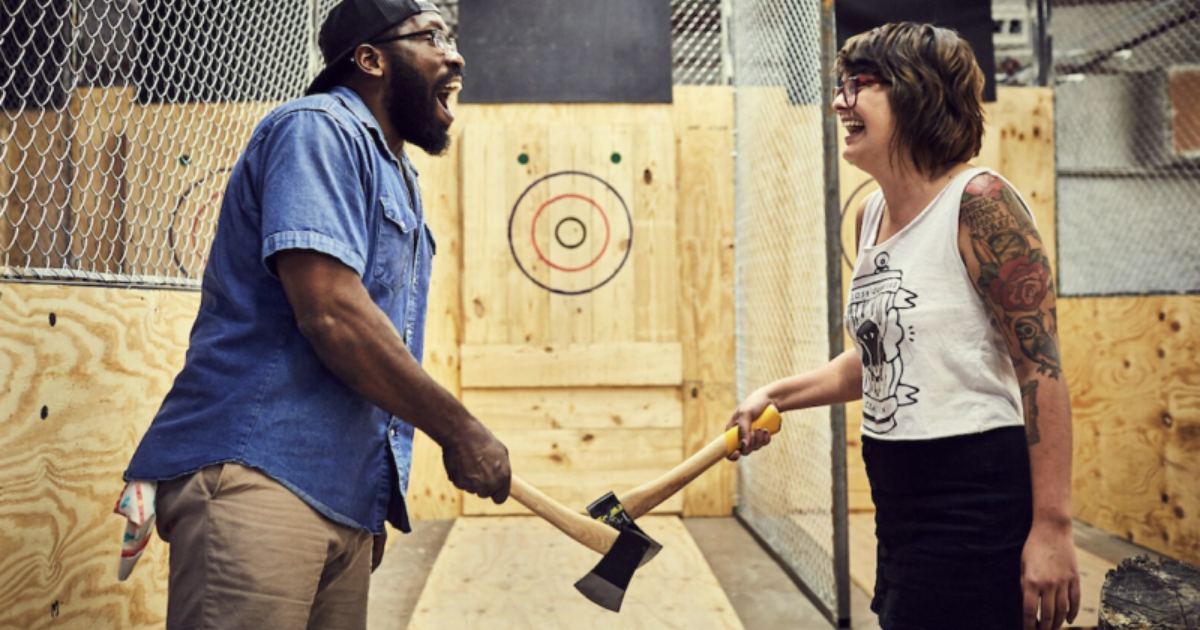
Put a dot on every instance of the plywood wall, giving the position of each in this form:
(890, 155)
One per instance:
(82, 372)
(648, 374)
(1133, 366)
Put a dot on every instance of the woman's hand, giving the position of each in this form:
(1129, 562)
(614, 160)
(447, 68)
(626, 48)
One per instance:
(751, 408)
(1049, 577)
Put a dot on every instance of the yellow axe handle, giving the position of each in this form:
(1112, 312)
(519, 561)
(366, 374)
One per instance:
(646, 497)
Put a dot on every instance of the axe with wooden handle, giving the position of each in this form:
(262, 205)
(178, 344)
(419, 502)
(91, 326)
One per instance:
(620, 514)
(623, 550)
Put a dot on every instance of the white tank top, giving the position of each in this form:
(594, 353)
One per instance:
(935, 363)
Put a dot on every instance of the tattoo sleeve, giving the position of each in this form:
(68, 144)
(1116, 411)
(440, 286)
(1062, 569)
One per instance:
(1013, 274)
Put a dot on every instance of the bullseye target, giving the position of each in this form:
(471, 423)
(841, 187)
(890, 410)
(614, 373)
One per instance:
(570, 232)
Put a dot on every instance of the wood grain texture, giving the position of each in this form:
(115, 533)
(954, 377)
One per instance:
(577, 466)
(707, 314)
(571, 365)
(1132, 366)
(576, 408)
(1018, 142)
(515, 573)
(77, 396)
(576, 444)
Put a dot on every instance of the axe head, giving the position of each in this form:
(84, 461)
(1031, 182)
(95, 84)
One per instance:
(606, 583)
(609, 510)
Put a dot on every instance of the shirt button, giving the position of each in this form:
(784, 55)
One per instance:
(393, 431)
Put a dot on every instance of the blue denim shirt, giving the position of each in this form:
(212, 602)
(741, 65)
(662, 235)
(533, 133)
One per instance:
(316, 175)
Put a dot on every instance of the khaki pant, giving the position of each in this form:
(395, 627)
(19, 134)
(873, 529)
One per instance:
(247, 553)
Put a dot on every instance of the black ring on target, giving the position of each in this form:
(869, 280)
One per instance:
(582, 231)
(513, 249)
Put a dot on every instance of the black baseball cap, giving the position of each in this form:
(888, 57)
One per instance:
(355, 22)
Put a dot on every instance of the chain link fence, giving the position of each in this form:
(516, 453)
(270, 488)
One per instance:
(1127, 108)
(790, 495)
(696, 42)
(121, 122)
(123, 118)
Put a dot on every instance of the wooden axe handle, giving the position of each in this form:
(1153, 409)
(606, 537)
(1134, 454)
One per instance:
(646, 497)
(590, 533)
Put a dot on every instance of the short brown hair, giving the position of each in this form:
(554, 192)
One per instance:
(936, 90)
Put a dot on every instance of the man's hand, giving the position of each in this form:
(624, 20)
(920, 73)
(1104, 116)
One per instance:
(1049, 577)
(743, 416)
(477, 462)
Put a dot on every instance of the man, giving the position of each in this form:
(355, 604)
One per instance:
(286, 441)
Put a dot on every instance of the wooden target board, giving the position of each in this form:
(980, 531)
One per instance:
(571, 348)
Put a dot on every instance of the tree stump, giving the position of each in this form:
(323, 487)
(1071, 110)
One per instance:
(1144, 595)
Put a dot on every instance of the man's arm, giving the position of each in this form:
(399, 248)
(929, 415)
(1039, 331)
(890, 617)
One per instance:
(1007, 263)
(357, 342)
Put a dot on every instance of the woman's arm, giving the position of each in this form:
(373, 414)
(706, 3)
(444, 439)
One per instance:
(838, 381)
(1007, 263)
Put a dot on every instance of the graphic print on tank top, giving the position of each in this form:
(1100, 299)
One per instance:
(874, 321)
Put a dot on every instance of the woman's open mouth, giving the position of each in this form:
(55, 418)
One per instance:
(853, 127)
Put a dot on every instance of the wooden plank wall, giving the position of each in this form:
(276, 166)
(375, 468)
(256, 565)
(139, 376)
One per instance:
(611, 325)
(698, 316)
(1133, 365)
(707, 317)
(82, 372)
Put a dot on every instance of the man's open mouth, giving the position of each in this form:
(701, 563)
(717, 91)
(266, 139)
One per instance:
(443, 97)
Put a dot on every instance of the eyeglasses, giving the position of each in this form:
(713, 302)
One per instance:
(853, 85)
(445, 43)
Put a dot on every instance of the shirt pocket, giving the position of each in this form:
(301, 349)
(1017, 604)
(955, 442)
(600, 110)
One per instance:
(395, 244)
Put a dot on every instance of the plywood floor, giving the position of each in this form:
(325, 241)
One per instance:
(519, 572)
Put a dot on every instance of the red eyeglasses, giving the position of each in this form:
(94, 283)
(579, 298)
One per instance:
(852, 85)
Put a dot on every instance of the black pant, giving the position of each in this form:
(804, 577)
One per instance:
(951, 518)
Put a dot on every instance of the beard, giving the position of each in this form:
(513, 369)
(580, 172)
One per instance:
(412, 108)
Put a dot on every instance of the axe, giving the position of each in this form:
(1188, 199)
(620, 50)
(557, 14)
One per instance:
(606, 584)
(623, 550)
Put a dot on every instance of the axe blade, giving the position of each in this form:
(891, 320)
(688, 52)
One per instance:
(609, 510)
(606, 583)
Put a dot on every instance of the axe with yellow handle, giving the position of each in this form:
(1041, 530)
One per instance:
(606, 585)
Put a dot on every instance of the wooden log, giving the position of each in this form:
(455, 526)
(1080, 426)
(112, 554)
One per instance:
(1141, 594)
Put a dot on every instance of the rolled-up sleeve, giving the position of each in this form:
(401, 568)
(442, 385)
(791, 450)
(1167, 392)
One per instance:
(312, 190)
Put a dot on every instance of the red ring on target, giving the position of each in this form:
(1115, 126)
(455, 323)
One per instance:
(533, 232)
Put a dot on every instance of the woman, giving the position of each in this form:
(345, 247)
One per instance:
(966, 428)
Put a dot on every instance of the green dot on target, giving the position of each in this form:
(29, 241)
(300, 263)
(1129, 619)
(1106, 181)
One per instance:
(616, 158)
(523, 158)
